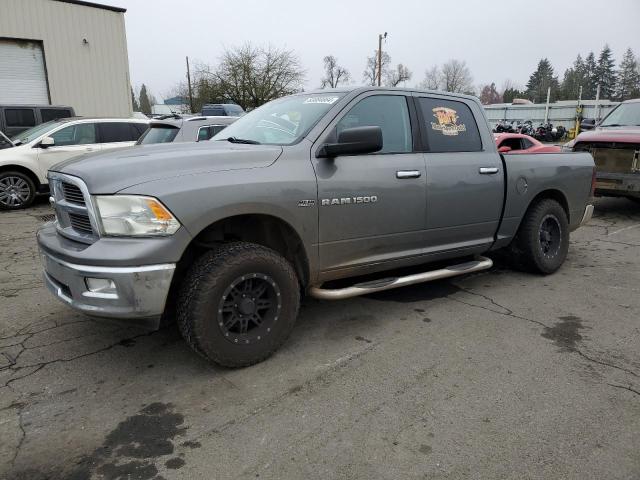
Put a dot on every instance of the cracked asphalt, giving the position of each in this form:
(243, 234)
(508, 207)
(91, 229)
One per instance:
(495, 375)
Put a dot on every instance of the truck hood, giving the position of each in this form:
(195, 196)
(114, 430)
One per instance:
(612, 134)
(114, 170)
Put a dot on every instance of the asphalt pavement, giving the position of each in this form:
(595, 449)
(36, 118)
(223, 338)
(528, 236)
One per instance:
(495, 375)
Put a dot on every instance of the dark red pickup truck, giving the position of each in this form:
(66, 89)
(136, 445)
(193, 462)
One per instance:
(615, 146)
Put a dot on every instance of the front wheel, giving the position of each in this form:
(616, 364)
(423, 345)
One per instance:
(238, 304)
(542, 241)
(17, 191)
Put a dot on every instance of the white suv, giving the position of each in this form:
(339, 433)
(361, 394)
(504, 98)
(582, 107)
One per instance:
(23, 167)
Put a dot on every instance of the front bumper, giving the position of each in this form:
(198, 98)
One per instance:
(140, 292)
(618, 184)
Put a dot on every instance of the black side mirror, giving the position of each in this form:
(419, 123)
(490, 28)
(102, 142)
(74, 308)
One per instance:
(353, 141)
(588, 124)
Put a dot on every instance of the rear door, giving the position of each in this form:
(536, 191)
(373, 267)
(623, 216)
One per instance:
(465, 181)
(372, 206)
(118, 134)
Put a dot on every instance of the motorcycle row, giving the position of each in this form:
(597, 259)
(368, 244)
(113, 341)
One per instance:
(545, 132)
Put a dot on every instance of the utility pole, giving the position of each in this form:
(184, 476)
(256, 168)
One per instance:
(546, 110)
(189, 83)
(380, 37)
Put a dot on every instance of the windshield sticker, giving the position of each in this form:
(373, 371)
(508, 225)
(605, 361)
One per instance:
(324, 100)
(447, 121)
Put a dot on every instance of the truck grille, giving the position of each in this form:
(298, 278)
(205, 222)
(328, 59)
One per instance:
(74, 210)
(80, 223)
(72, 193)
(613, 157)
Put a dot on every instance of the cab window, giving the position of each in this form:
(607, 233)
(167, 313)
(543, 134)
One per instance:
(449, 126)
(390, 113)
(19, 117)
(80, 134)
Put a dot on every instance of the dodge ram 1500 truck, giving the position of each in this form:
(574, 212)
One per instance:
(321, 193)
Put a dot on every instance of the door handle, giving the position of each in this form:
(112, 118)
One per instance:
(402, 174)
(488, 170)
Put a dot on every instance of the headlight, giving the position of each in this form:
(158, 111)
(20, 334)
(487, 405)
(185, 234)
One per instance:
(132, 215)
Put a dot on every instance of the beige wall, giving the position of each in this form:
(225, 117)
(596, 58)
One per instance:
(92, 78)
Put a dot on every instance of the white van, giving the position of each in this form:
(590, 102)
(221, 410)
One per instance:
(24, 166)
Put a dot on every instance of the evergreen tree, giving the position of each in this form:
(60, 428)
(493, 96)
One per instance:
(574, 78)
(605, 73)
(145, 102)
(628, 85)
(134, 101)
(510, 93)
(540, 81)
(589, 87)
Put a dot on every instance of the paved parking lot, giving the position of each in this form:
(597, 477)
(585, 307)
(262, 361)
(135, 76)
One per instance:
(495, 375)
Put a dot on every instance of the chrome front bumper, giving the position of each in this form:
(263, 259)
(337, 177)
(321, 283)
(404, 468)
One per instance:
(588, 213)
(140, 292)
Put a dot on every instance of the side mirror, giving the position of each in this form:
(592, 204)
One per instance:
(353, 141)
(504, 149)
(588, 124)
(47, 142)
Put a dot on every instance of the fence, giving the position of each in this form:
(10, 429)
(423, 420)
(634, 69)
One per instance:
(560, 113)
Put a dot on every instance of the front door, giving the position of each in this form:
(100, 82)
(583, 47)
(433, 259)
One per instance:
(372, 207)
(465, 178)
(69, 142)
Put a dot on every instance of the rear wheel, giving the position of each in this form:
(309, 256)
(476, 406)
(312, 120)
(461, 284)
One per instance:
(542, 241)
(17, 190)
(238, 304)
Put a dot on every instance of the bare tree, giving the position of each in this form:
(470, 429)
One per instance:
(432, 79)
(456, 77)
(489, 94)
(251, 76)
(334, 73)
(395, 77)
(370, 75)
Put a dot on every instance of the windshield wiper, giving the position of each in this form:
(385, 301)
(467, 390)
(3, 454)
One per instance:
(242, 140)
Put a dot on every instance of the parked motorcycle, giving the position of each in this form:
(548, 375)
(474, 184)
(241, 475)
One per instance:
(546, 132)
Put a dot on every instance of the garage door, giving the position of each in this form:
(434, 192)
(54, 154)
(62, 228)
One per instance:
(22, 75)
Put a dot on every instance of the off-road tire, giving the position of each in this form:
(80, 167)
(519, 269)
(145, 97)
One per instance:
(205, 290)
(24, 181)
(527, 251)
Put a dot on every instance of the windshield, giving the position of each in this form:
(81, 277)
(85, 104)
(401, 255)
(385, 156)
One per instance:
(34, 132)
(624, 115)
(280, 122)
(158, 134)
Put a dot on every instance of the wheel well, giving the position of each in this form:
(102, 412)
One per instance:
(26, 171)
(556, 195)
(266, 230)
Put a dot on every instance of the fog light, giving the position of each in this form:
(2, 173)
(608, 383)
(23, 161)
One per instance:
(100, 285)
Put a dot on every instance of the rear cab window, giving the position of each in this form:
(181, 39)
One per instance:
(48, 114)
(448, 125)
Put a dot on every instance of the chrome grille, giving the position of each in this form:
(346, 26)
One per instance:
(80, 222)
(72, 193)
(74, 208)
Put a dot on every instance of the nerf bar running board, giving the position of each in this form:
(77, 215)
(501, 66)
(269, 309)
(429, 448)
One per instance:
(482, 263)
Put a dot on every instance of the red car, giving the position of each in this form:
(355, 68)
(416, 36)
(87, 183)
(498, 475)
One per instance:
(519, 143)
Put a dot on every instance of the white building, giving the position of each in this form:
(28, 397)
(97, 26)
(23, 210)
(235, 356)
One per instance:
(65, 52)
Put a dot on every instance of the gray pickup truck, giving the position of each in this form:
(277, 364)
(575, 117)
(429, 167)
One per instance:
(332, 194)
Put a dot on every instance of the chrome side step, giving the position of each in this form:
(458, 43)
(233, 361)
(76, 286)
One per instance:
(482, 263)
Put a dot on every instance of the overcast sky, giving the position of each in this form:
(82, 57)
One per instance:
(499, 40)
